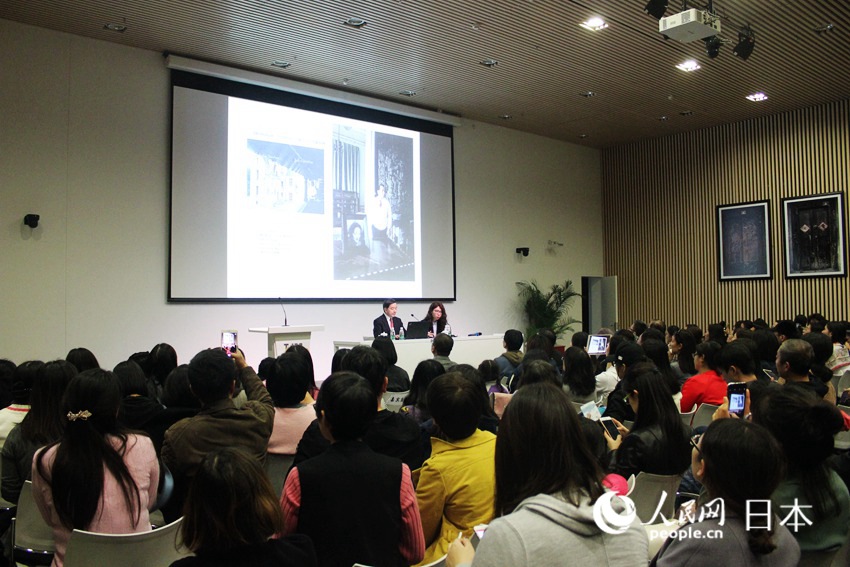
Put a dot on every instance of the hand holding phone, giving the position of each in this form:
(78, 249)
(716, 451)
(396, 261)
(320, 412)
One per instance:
(229, 341)
(736, 392)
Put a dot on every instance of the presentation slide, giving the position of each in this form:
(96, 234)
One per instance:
(270, 201)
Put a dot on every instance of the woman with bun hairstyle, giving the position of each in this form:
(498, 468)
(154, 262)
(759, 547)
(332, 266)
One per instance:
(737, 461)
(98, 477)
(805, 426)
(232, 517)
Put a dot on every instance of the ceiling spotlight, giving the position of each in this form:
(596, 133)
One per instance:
(662, 119)
(505, 116)
(588, 94)
(407, 93)
(686, 113)
(757, 97)
(712, 46)
(281, 64)
(582, 136)
(120, 28)
(355, 22)
(594, 24)
(746, 43)
(489, 63)
(826, 28)
(656, 8)
(688, 66)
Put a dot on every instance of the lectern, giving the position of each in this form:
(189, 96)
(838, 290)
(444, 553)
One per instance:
(280, 338)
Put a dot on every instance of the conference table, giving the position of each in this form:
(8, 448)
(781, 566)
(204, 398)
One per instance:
(469, 350)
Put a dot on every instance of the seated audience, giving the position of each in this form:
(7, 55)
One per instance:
(231, 530)
(398, 380)
(717, 333)
(21, 379)
(656, 352)
(293, 410)
(97, 477)
(456, 484)
(441, 348)
(821, 352)
(491, 374)
(510, 359)
(579, 381)
(804, 426)
(7, 370)
(786, 329)
(716, 462)
(266, 368)
(659, 442)
(42, 425)
(579, 340)
(682, 348)
(618, 407)
(736, 363)
(392, 434)
(768, 344)
(82, 359)
(706, 387)
(212, 376)
(607, 378)
(839, 362)
(416, 402)
(532, 353)
(358, 506)
(336, 361)
(547, 481)
(488, 421)
(163, 359)
(177, 393)
(595, 438)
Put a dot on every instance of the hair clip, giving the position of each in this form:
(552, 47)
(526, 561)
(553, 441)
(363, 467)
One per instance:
(84, 415)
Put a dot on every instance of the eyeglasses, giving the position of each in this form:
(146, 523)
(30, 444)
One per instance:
(695, 442)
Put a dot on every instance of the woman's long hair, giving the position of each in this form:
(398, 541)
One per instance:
(230, 503)
(578, 372)
(424, 374)
(685, 358)
(655, 403)
(441, 322)
(87, 450)
(44, 423)
(804, 426)
(743, 462)
(540, 449)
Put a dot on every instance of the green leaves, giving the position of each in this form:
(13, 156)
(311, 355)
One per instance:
(546, 309)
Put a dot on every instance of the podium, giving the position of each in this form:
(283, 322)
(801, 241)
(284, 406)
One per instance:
(280, 338)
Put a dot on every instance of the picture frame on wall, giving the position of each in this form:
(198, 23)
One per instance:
(743, 241)
(814, 236)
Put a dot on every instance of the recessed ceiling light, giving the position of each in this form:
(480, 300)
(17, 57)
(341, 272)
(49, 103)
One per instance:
(120, 28)
(355, 22)
(662, 118)
(475, 26)
(588, 94)
(686, 113)
(505, 116)
(582, 136)
(825, 28)
(594, 24)
(688, 66)
(489, 63)
(757, 97)
(407, 93)
(281, 64)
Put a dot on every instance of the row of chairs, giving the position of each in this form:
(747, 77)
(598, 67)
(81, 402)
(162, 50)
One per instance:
(32, 542)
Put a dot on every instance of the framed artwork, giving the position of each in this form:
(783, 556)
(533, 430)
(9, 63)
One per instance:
(743, 241)
(814, 236)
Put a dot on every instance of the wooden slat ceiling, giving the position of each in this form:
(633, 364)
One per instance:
(545, 60)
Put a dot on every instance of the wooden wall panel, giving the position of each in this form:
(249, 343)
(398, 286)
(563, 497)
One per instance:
(659, 198)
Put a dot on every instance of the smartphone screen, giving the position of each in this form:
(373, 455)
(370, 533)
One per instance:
(736, 392)
(229, 341)
(609, 426)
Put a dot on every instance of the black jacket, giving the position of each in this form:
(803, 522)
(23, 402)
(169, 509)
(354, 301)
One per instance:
(649, 450)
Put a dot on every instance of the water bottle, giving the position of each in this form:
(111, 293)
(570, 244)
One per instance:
(401, 334)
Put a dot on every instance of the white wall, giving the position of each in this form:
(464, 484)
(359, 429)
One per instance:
(84, 142)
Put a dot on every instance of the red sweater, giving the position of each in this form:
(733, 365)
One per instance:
(706, 388)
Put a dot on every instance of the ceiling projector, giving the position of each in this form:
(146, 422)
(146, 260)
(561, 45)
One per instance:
(690, 25)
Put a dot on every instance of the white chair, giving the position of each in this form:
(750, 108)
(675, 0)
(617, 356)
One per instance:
(688, 417)
(646, 492)
(147, 549)
(32, 538)
(843, 383)
(394, 400)
(703, 414)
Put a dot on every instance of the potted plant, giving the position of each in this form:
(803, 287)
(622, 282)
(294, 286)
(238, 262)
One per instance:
(547, 309)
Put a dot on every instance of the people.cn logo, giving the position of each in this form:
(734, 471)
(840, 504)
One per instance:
(609, 520)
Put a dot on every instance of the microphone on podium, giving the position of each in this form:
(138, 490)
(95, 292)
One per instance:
(285, 322)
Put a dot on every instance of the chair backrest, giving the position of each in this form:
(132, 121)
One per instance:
(842, 438)
(499, 402)
(688, 417)
(816, 558)
(31, 533)
(843, 383)
(647, 493)
(577, 406)
(394, 400)
(145, 549)
(277, 467)
(703, 414)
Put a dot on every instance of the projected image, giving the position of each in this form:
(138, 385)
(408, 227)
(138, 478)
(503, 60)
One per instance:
(285, 176)
(376, 222)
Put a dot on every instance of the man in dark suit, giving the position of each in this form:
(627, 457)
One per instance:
(387, 323)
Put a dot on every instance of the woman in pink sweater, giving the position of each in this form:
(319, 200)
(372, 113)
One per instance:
(97, 477)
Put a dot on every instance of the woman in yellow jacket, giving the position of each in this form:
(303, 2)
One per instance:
(457, 483)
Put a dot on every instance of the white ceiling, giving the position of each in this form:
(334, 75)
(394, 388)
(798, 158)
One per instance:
(545, 60)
